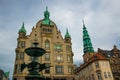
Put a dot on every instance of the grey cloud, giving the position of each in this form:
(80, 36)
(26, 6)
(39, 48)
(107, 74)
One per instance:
(102, 19)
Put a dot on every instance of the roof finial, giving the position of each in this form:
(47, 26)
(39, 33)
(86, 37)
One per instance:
(23, 24)
(67, 35)
(83, 24)
(67, 30)
(83, 21)
(46, 8)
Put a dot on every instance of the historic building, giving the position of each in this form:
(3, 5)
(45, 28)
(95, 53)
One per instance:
(114, 59)
(58, 50)
(4, 75)
(95, 66)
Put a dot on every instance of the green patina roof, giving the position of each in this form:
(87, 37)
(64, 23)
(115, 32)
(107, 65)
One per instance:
(87, 41)
(46, 20)
(6, 74)
(67, 35)
(22, 29)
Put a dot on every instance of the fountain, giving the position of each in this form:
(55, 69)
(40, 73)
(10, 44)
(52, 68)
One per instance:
(34, 67)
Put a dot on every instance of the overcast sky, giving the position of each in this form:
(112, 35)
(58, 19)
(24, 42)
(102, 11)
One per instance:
(101, 17)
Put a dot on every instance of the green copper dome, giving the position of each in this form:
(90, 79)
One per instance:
(87, 41)
(67, 34)
(22, 29)
(46, 20)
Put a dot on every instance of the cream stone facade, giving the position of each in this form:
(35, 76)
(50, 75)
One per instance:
(113, 56)
(58, 50)
(95, 70)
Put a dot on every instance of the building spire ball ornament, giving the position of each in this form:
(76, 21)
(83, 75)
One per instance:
(87, 41)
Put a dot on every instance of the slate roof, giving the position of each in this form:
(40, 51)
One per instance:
(115, 52)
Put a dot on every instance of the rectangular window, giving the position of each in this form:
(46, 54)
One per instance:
(69, 69)
(22, 44)
(19, 68)
(47, 57)
(68, 48)
(47, 30)
(59, 57)
(47, 70)
(97, 64)
(21, 56)
(69, 58)
(58, 47)
(105, 75)
(59, 69)
(47, 44)
(109, 75)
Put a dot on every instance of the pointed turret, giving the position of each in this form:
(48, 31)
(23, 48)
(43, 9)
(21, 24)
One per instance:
(87, 41)
(46, 20)
(46, 13)
(67, 34)
(22, 29)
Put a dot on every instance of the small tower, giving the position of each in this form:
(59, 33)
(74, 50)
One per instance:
(88, 48)
(46, 20)
(21, 45)
(22, 31)
(67, 37)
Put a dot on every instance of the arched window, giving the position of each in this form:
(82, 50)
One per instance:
(47, 44)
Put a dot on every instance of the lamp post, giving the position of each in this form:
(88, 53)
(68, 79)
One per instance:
(34, 67)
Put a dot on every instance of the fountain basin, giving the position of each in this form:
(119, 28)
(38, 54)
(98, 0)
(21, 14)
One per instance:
(35, 51)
